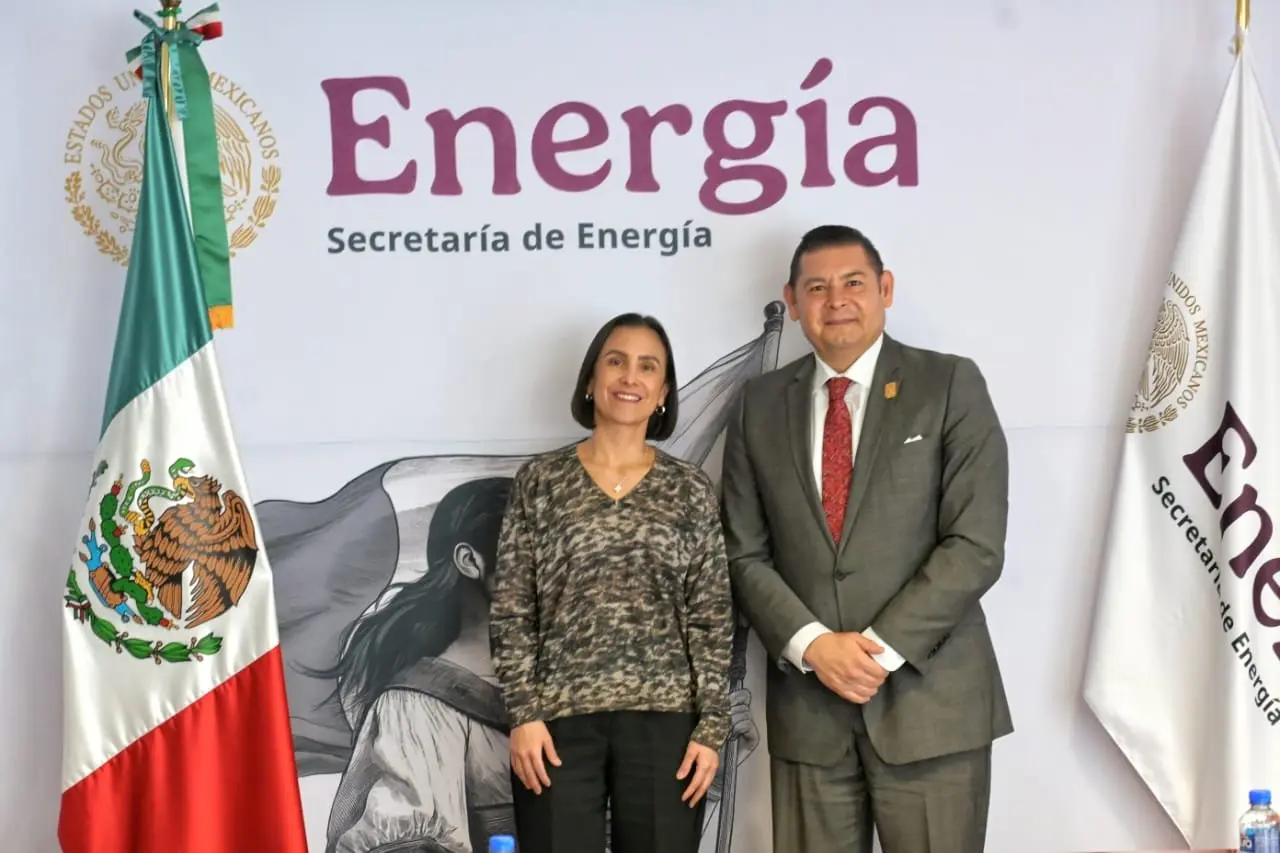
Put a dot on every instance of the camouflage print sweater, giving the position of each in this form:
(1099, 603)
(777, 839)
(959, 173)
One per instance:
(608, 606)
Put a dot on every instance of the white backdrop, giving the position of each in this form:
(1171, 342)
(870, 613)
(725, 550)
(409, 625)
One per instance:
(1056, 145)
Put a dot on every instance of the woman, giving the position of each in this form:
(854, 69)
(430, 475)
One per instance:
(611, 620)
(428, 767)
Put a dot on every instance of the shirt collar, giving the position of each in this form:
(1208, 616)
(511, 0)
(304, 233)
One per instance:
(861, 371)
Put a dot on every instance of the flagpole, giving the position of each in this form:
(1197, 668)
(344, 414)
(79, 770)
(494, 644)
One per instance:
(1242, 25)
(170, 17)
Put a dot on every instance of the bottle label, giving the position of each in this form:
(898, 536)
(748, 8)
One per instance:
(1260, 839)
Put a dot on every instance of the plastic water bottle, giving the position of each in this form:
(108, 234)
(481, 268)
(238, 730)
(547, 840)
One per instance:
(507, 844)
(1260, 825)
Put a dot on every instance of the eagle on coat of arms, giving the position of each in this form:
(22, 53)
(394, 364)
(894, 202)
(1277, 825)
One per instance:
(206, 529)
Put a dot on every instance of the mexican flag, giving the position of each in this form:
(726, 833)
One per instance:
(176, 727)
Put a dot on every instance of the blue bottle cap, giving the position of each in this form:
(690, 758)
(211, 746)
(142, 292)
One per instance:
(502, 844)
(1260, 797)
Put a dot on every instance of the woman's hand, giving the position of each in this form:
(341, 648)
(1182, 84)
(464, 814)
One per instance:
(529, 743)
(705, 760)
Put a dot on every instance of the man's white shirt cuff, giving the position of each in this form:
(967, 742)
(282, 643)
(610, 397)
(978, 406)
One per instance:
(794, 652)
(889, 659)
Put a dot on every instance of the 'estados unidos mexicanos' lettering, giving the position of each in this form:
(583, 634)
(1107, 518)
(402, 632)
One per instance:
(726, 161)
(1266, 578)
(1200, 363)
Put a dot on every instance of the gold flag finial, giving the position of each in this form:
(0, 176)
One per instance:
(1242, 26)
(169, 16)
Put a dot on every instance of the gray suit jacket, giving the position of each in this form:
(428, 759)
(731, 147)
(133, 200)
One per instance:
(923, 540)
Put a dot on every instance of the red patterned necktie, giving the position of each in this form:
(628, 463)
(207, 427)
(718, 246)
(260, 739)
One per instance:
(837, 455)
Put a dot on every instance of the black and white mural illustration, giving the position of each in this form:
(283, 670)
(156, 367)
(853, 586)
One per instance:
(382, 595)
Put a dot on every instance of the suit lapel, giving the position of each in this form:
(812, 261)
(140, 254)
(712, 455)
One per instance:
(880, 413)
(800, 437)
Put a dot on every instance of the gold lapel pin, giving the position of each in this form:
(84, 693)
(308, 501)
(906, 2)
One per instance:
(890, 390)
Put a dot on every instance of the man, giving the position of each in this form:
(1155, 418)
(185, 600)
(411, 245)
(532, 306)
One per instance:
(865, 505)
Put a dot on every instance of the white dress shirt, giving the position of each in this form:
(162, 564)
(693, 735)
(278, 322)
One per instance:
(860, 372)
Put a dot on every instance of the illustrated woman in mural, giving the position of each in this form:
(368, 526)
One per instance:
(611, 620)
(429, 770)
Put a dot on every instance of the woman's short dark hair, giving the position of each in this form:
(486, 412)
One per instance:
(663, 421)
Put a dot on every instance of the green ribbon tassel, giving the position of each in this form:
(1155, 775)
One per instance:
(193, 103)
(204, 180)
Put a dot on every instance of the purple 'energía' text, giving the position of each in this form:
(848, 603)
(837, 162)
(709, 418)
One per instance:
(725, 162)
(1245, 503)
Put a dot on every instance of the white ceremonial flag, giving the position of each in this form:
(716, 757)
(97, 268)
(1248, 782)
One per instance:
(1184, 665)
